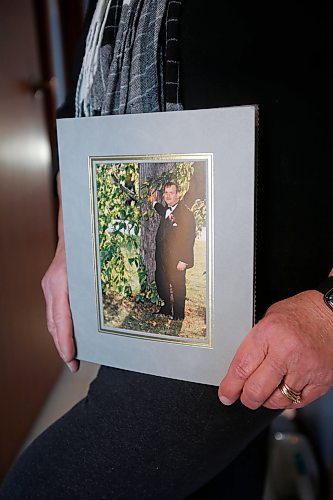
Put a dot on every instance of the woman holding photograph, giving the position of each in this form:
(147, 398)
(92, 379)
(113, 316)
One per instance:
(141, 436)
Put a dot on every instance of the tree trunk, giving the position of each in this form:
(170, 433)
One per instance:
(149, 226)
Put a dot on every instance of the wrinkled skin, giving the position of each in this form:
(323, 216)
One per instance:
(294, 343)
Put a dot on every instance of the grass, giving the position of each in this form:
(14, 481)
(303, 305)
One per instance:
(125, 313)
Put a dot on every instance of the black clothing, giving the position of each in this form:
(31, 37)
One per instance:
(174, 243)
(138, 436)
(165, 278)
(175, 237)
(236, 53)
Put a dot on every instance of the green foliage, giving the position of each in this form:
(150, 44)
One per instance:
(148, 291)
(118, 225)
(199, 212)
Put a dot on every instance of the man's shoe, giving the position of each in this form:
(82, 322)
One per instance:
(178, 318)
(166, 311)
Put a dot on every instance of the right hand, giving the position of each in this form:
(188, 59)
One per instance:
(55, 288)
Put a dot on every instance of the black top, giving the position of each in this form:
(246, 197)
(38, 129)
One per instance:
(279, 57)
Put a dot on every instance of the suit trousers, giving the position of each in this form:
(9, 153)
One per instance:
(166, 276)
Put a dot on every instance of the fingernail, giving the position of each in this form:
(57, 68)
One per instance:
(225, 401)
(65, 354)
(71, 369)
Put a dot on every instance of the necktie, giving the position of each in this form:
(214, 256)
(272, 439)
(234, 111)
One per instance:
(170, 209)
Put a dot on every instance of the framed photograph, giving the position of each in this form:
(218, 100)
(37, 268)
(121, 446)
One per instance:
(159, 219)
(152, 246)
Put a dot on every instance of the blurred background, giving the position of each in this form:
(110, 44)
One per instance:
(37, 45)
(37, 41)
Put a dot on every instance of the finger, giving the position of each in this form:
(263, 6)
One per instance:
(72, 365)
(64, 332)
(312, 392)
(60, 326)
(62, 319)
(261, 384)
(248, 357)
(276, 402)
(279, 400)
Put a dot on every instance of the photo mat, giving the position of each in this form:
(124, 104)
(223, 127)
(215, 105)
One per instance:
(224, 138)
(128, 195)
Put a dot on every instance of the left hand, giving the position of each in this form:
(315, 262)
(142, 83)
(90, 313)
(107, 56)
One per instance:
(293, 343)
(181, 266)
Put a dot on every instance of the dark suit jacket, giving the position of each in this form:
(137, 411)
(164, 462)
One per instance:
(175, 238)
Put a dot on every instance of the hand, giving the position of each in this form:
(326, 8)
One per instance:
(181, 266)
(293, 343)
(55, 288)
(153, 196)
(58, 314)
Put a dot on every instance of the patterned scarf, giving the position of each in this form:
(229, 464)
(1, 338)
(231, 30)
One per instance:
(131, 61)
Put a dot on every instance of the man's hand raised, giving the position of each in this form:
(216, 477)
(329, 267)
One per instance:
(153, 196)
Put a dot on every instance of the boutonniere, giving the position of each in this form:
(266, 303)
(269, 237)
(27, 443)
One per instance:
(173, 220)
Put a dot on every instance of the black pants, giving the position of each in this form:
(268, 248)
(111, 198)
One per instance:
(169, 275)
(143, 437)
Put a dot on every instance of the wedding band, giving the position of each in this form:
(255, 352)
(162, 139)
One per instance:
(289, 393)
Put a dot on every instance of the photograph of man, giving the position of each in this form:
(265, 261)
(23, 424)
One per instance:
(174, 249)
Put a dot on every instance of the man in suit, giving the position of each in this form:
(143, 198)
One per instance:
(174, 249)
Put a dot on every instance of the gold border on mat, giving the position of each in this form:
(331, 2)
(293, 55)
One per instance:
(153, 158)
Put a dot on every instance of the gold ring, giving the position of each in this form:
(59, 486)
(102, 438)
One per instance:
(289, 393)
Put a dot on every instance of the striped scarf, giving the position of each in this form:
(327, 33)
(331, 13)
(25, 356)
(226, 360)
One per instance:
(131, 61)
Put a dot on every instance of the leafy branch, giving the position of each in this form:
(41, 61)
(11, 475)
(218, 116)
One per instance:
(129, 193)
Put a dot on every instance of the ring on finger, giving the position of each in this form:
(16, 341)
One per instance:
(291, 394)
